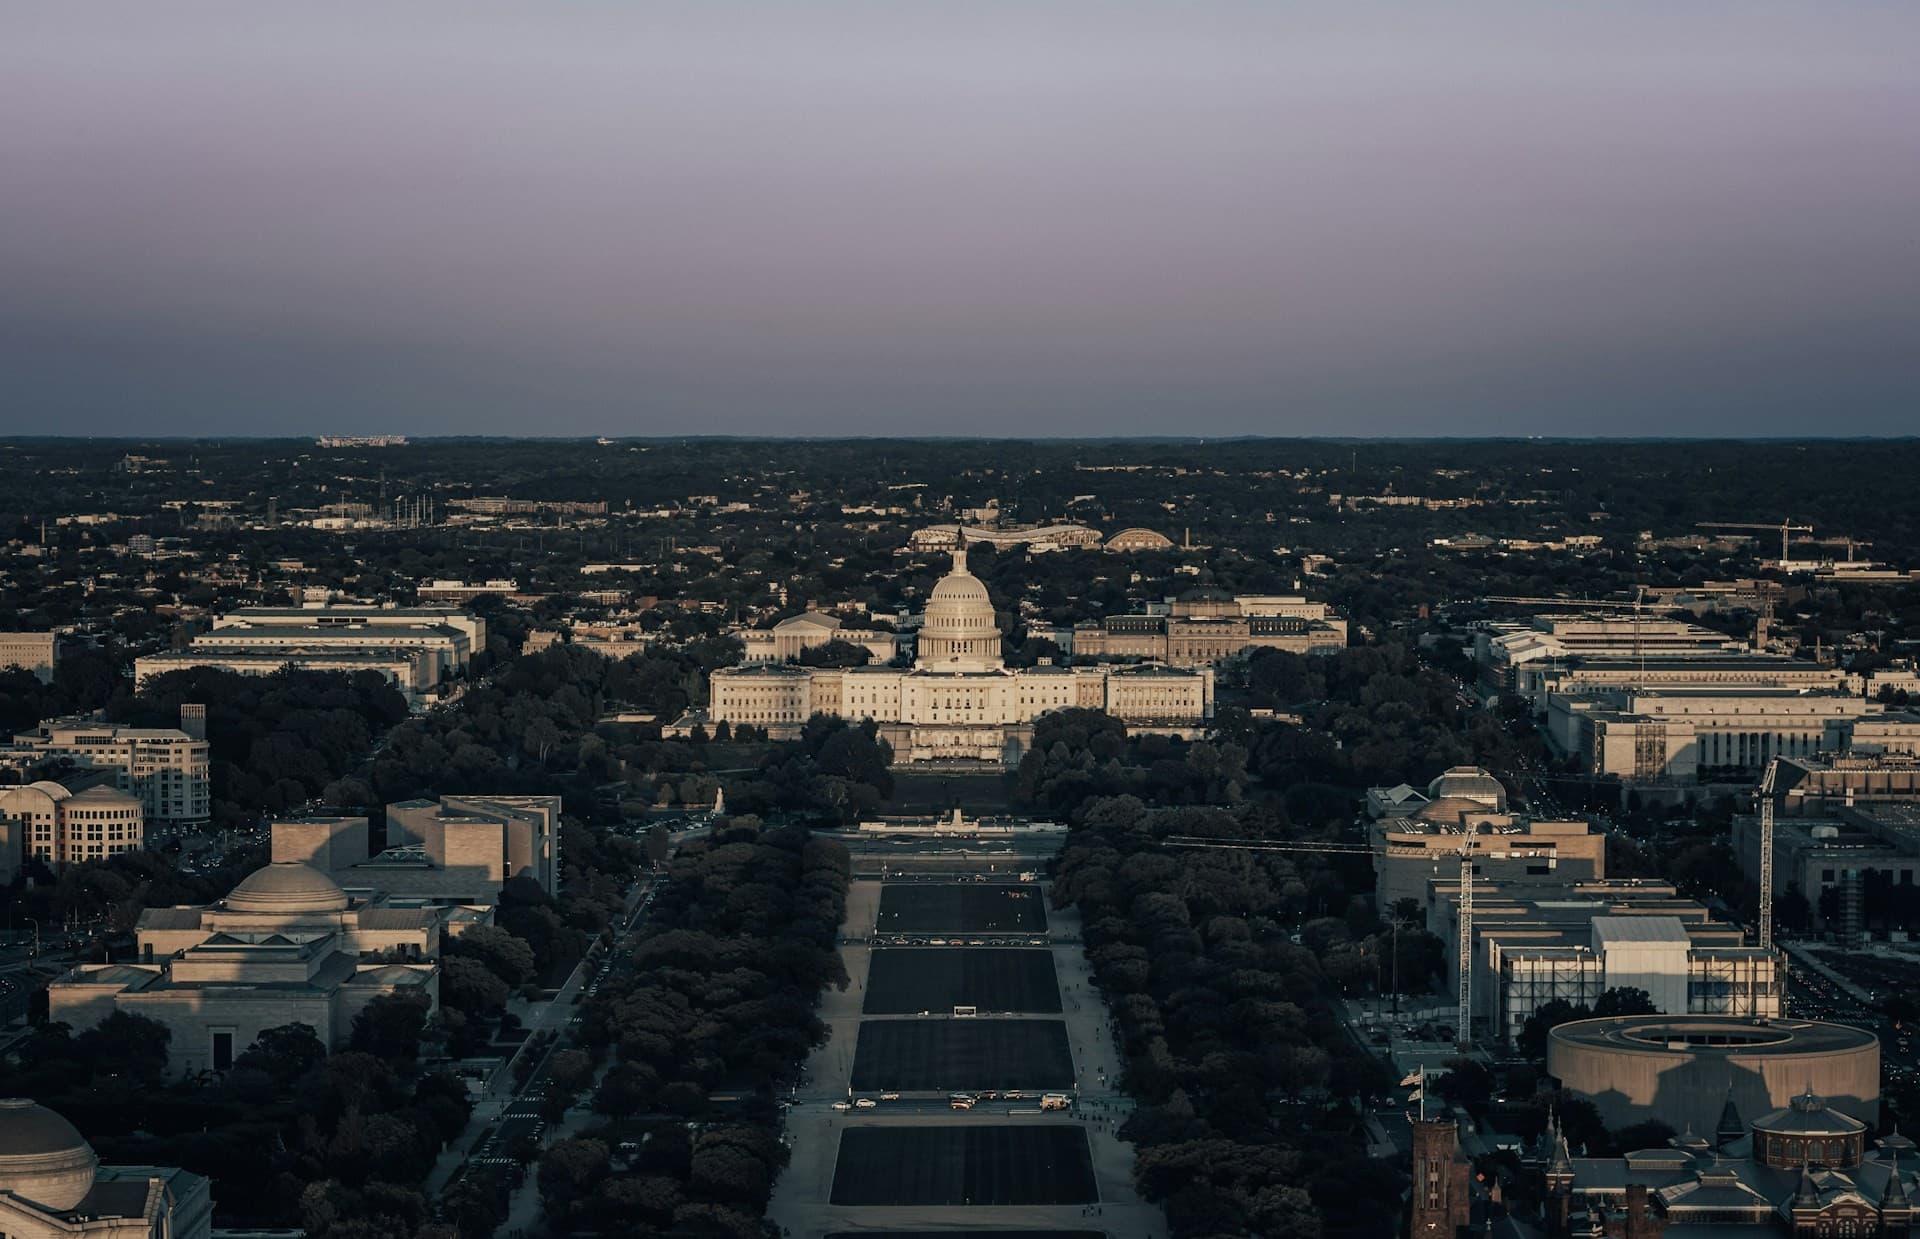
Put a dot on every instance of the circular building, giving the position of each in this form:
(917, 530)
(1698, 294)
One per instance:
(287, 887)
(1684, 1069)
(1139, 540)
(958, 632)
(43, 1158)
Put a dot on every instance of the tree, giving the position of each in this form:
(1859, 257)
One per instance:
(389, 1027)
(1533, 1034)
(284, 1054)
(1624, 1000)
(504, 955)
(130, 1044)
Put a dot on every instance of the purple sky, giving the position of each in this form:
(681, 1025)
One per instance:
(621, 217)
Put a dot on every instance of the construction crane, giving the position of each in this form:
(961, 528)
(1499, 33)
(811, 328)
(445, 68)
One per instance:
(1463, 1029)
(1767, 795)
(1851, 543)
(1767, 782)
(1785, 528)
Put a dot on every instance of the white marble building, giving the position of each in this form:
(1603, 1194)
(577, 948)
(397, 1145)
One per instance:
(959, 701)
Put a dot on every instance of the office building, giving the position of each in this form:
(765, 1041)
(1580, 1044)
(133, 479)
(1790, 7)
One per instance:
(415, 672)
(1410, 853)
(61, 825)
(1201, 628)
(167, 768)
(1847, 823)
(1697, 734)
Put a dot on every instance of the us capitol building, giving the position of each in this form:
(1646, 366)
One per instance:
(959, 701)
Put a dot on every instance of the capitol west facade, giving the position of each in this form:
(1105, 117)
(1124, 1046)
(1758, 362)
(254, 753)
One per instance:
(959, 701)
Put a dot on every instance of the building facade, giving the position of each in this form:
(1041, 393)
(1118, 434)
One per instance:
(959, 701)
(287, 945)
(167, 768)
(1203, 628)
(52, 1186)
(797, 634)
(458, 850)
(30, 651)
(60, 826)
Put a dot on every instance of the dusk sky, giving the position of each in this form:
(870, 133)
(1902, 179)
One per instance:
(1030, 217)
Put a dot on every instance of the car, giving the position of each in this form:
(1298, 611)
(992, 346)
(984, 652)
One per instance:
(843, 1106)
(889, 1096)
(989, 1094)
(1015, 1094)
(960, 1103)
(865, 1103)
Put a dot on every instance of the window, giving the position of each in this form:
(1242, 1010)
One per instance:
(222, 1049)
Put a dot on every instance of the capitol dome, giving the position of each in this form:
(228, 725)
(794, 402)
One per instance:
(287, 886)
(958, 632)
(43, 1158)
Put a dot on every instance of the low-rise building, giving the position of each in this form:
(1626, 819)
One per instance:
(458, 850)
(1410, 853)
(415, 672)
(1688, 735)
(62, 825)
(1840, 824)
(797, 634)
(167, 768)
(30, 651)
(1204, 627)
(287, 945)
(1534, 943)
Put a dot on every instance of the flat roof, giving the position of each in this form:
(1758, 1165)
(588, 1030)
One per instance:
(1724, 1036)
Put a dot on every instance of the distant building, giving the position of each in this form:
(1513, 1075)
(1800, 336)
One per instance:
(415, 647)
(465, 591)
(960, 701)
(167, 768)
(796, 634)
(456, 850)
(1204, 627)
(1687, 734)
(1440, 1201)
(1139, 540)
(1840, 822)
(1033, 537)
(287, 945)
(52, 1186)
(30, 651)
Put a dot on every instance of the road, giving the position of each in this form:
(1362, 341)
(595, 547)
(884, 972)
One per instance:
(505, 1113)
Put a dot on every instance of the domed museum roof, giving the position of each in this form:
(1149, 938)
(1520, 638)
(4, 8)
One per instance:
(43, 1158)
(287, 886)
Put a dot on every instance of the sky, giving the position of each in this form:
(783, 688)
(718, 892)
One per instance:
(997, 217)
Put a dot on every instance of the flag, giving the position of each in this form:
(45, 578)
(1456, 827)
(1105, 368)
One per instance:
(1414, 1096)
(1413, 1077)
